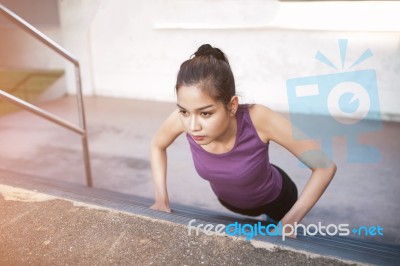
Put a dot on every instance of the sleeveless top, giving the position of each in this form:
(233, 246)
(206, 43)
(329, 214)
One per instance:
(243, 176)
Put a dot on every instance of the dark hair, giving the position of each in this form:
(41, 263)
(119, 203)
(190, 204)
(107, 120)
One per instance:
(211, 70)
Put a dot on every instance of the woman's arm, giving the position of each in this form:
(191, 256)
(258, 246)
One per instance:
(272, 126)
(166, 134)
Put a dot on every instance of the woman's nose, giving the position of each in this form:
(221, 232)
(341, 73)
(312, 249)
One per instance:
(194, 124)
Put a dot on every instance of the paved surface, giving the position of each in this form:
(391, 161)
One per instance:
(38, 229)
(120, 131)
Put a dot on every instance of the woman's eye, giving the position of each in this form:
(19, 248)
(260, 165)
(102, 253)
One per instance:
(205, 114)
(183, 112)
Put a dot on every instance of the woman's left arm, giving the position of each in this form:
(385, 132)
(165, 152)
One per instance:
(273, 126)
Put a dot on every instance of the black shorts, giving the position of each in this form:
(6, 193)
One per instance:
(278, 207)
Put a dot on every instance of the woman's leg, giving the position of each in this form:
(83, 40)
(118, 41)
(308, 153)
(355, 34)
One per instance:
(249, 212)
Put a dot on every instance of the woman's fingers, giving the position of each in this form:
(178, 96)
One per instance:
(160, 207)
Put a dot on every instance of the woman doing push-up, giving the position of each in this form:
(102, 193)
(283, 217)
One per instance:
(229, 143)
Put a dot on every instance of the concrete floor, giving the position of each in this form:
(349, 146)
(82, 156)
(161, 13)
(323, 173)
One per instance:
(119, 134)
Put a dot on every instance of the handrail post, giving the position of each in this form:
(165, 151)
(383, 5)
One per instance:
(82, 122)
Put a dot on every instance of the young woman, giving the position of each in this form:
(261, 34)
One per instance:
(229, 144)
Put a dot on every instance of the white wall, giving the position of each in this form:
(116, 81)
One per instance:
(133, 48)
(76, 19)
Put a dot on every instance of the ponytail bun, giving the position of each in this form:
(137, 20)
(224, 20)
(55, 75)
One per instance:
(208, 50)
(209, 69)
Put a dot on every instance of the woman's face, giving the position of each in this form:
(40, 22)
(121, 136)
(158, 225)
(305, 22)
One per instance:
(205, 119)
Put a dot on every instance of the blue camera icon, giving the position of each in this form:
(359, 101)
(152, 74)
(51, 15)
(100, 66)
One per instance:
(347, 104)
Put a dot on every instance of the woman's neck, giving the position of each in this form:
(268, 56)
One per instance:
(226, 141)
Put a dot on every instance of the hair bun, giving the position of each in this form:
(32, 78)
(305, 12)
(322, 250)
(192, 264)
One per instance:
(208, 50)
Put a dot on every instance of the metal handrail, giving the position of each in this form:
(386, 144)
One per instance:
(34, 109)
(31, 108)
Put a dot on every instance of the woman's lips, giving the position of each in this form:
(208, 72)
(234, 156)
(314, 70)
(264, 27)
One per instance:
(198, 138)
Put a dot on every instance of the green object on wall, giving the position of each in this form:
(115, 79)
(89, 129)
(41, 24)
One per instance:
(27, 85)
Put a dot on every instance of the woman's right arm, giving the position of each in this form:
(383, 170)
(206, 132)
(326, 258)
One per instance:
(166, 134)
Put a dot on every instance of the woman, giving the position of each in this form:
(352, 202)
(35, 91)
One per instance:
(229, 144)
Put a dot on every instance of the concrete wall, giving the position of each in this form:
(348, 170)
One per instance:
(133, 48)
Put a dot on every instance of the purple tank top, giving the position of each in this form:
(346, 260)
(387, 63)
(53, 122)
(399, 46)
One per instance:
(243, 176)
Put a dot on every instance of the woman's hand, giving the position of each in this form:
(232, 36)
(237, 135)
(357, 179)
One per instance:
(287, 231)
(158, 206)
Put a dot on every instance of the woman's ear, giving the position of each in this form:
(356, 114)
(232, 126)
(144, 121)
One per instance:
(233, 105)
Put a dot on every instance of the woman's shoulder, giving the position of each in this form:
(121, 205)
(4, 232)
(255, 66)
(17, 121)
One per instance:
(169, 130)
(255, 110)
(261, 117)
(270, 125)
(259, 111)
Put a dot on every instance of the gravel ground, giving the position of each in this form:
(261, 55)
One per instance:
(36, 229)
